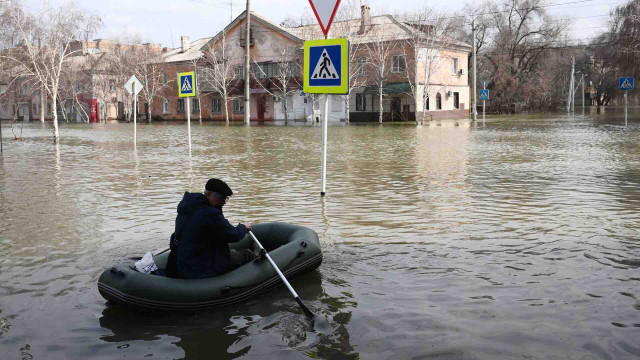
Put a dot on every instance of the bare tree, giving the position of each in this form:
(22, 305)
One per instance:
(428, 36)
(122, 60)
(198, 70)
(149, 69)
(379, 48)
(218, 76)
(47, 41)
(280, 78)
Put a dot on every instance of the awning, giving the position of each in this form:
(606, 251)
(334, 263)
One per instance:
(397, 88)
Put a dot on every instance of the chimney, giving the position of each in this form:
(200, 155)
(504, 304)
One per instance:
(365, 19)
(184, 43)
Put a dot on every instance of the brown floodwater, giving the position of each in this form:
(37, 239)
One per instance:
(514, 240)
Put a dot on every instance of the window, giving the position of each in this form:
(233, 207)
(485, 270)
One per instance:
(454, 66)
(238, 105)
(216, 105)
(48, 108)
(112, 85)
(361, 66)
(180, 106)
(398, 63)
(195, 105)
(166, 78)
(426, 103)
(438, 101)
(165, 106)
(238, 72)
(361, 102)
(34, 108)
(456, 100)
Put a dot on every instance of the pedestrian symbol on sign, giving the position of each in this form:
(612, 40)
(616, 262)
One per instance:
(626, 83)
(324, 68)
(186, 84)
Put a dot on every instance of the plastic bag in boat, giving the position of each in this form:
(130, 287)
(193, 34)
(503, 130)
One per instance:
(146, 264)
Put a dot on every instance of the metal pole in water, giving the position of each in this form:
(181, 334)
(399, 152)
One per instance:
(324, 144)
(625, 107)
(484, 86)
(189, 120)
(135, 112)
(475, 90)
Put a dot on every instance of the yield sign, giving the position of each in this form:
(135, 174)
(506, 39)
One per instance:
(325, 11)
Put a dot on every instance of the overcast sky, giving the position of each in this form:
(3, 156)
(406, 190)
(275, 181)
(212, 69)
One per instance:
(163, 21)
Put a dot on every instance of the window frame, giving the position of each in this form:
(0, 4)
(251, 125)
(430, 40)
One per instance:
(180, 106)
(454, 66)
(238, 105)
(216, 100)
(361, 102)
(361, 65)
(195, 105)
(166, 106)
(438, 101)
(456, 100)
(395, 63)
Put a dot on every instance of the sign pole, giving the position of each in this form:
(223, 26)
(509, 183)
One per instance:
(189, 120)
(484, 85)
(625, 107)
(325, 125)
(135, 111)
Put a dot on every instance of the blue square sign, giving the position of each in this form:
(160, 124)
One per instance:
(626, 83)
(326, 66)
(484, 94)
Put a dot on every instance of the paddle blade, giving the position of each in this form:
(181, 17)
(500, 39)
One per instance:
(304, 308)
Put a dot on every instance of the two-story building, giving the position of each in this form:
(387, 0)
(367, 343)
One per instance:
(440, 70)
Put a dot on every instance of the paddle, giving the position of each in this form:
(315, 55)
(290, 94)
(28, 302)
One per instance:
(140, 257)
(284, 280)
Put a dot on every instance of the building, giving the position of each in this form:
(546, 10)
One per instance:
(275, 50)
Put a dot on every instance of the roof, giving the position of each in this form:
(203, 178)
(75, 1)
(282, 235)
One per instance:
(254, 18)
(194, 51)
(383, 26)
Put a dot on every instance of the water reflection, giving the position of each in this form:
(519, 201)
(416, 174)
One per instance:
(261, 327)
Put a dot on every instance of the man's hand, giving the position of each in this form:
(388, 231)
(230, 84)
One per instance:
(248, 226)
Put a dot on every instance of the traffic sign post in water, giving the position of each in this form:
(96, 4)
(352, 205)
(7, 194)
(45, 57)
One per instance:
(187, 88)
(626, 84)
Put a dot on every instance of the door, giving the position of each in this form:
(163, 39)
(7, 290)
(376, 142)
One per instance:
(262, 106)
(25, 113)
(396, 109)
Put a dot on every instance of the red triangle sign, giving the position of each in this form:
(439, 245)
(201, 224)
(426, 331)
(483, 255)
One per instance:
(325, 11)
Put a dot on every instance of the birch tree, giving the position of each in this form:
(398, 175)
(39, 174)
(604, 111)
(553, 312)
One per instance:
(218, 75)
(46, 39)
(150, 71)
(427, 37)
(379, 49)
(282, 76)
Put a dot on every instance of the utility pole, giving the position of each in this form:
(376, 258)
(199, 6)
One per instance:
(247, 40)
(475, 90)
(231, 11)
(582, 94)
(570, 96)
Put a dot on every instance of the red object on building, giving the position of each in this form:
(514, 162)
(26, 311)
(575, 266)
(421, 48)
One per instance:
(93, 108)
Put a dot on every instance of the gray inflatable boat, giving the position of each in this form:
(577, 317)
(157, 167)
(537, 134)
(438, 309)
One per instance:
(295, 249)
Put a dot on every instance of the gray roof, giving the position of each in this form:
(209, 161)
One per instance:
(192, 52)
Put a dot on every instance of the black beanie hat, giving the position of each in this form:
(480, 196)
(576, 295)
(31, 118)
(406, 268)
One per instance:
(219, 186)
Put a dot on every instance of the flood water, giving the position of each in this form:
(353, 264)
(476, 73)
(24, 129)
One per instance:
(516, 240)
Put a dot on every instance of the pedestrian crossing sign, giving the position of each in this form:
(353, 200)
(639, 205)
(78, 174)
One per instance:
(326, 66)
(626, 83)
(484, 94)
(186, 84)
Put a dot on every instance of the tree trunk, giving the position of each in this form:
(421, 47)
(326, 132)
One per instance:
(381, 109)
(284, 107)
(54, 100)
(200, 111)
(225, 100)
(347, 107)
(43, 103)
(150, 104)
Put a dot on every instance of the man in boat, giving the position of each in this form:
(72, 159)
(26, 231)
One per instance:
(200, 243)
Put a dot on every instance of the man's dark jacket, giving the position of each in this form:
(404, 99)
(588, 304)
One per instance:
(201, 239)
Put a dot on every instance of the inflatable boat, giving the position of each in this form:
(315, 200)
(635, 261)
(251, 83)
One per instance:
(295, 249)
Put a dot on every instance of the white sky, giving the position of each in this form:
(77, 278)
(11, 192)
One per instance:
(163, 21)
